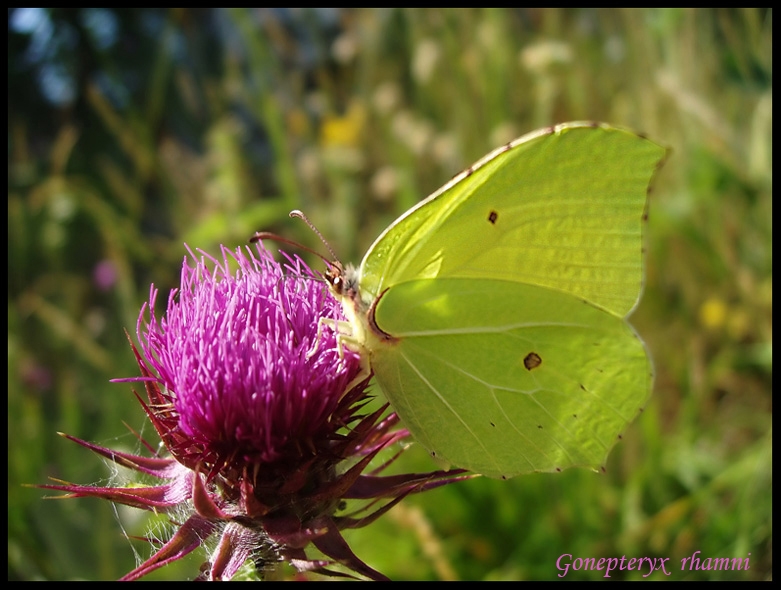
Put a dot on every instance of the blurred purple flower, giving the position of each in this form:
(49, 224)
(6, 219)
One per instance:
(35, 375)
(265, 420)
(104, 275)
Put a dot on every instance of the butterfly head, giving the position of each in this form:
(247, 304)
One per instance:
(343, 281)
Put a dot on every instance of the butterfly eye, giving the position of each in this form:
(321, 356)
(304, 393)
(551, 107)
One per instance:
(334, 279)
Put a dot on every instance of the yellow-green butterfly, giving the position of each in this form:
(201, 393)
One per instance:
(493, 313)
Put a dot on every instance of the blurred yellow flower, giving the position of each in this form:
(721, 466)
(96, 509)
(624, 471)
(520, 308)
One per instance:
(713, 313)
(344, 130)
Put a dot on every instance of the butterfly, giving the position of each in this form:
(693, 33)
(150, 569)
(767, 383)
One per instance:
(493, 314)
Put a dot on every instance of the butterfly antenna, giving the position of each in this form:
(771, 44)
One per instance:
(264, 235)
(300, 215)
(267, 235)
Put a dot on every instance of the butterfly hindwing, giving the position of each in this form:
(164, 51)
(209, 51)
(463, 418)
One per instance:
(503, 388)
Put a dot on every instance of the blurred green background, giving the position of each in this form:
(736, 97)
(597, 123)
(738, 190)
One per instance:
(132, 132)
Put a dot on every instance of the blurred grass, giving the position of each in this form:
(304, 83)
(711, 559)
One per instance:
(204, 126)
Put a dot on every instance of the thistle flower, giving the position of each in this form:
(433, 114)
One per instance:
(265, 419)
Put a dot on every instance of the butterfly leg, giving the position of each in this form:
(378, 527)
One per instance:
(343, 336)
(316, 344)
(343, 339)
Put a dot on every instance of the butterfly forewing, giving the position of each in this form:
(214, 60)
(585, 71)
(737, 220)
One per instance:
(562, 210)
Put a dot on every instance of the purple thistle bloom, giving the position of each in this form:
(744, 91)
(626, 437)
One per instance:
(264, 418)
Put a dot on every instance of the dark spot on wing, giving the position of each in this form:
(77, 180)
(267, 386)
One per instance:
(532, 361)
(493, 216)
(492, 424)
(558, 469)
(539, 426)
